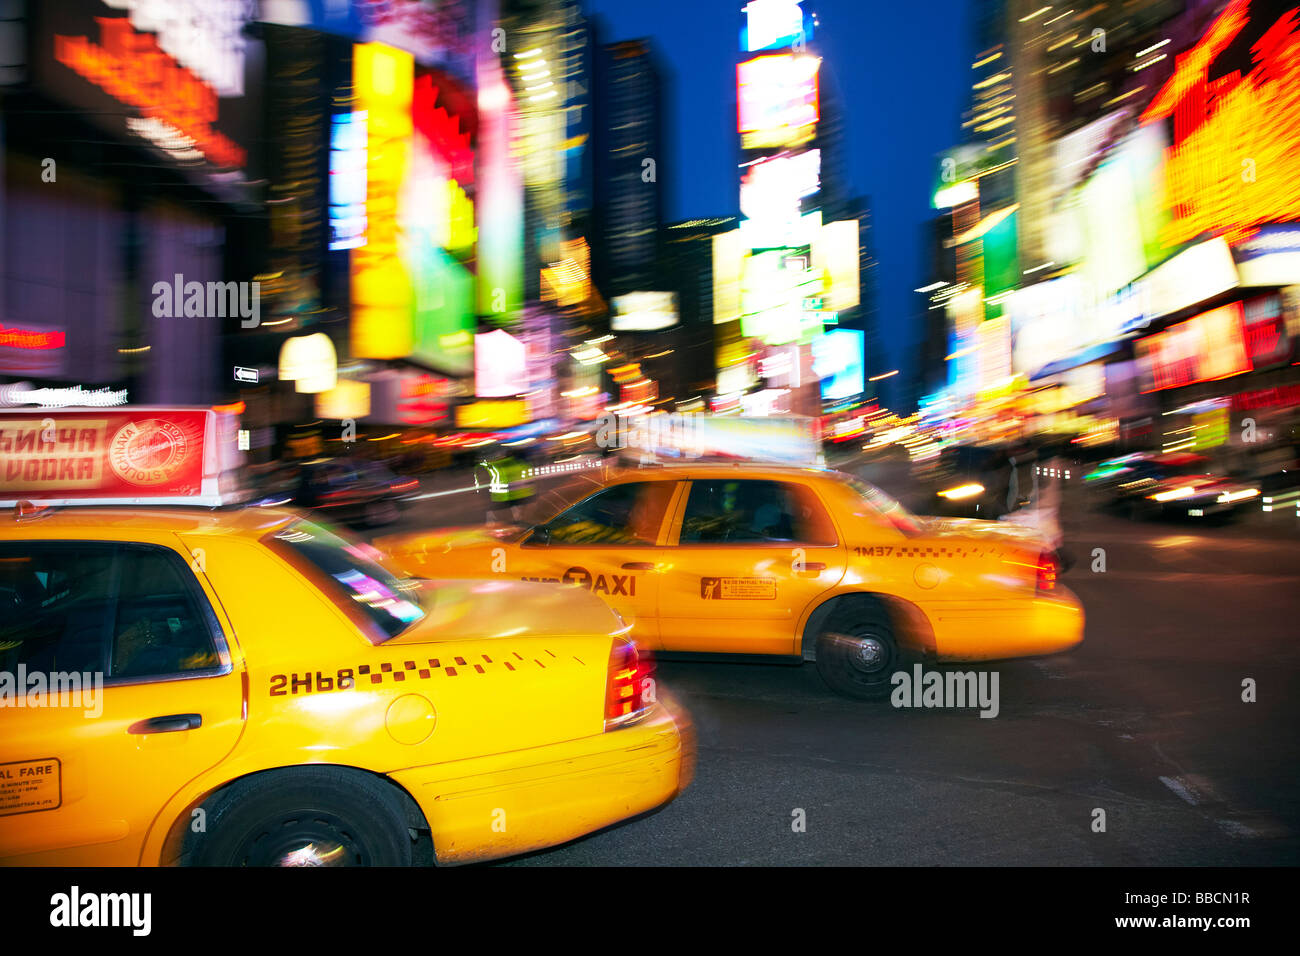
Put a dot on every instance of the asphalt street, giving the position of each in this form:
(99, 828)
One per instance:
(1144, 722)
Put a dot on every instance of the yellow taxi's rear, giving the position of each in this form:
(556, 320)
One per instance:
(244, 672)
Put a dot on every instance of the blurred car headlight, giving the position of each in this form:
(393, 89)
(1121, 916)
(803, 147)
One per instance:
(1230, 496)
(962, 491)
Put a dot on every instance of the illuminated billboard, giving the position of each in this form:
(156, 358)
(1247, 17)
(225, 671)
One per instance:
(773, 290)
(384, 83)
(347, 181)
(567, 282)
(500, 365)
(774, 24)
(644, 311)
(408, 398)
(412, 296)
(728, 269)
(492, 413)
(1235, 162)
(1107, 211)
(347, 399)
(500, 210)
(1271, 257)
(837, 361)
(772, 188)
(1210, 346)
(1194, 275)
(835, 253)
(1264, 325)
(781, 233)
(777, 100)
(438, 229)
(174, 76)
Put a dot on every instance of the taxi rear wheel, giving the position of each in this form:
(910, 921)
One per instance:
(310, 816)
(858, 652)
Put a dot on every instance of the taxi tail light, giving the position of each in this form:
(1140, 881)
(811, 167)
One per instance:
(1048, 568)
(626, 698)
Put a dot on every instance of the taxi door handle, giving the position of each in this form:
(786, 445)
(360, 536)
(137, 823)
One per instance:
(638, 566)
(166, 725)
(814, 566)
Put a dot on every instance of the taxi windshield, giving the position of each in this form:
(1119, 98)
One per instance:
(889, 508)
(389, 602)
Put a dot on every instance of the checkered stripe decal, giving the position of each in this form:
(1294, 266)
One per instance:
(928, 551)
(435, 667)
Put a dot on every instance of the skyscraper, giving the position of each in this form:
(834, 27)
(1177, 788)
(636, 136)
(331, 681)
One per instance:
(629, 148)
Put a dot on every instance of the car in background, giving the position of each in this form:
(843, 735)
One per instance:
(800, 563)
(351, 491)
(1147, 485)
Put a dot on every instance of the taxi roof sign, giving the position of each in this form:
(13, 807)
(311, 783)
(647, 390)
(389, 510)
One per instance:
(134, 455)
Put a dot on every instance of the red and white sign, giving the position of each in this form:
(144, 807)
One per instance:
(408, 398)
(143, 455)
(1265, 326)
(1210, 346)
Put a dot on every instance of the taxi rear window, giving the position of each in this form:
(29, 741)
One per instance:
(388, 602)
(889, 508)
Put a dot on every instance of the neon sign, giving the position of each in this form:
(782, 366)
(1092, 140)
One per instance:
(19, 338)
(205, 36)
(1235, 163)
(130, 67)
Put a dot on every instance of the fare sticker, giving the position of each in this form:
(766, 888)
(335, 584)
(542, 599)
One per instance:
(738, 589)
(29, 785)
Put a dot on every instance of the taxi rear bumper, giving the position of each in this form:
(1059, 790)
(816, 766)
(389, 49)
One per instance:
(991, 630)
(487, 808)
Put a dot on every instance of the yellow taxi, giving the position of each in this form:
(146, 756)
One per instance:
(223, 685)
(777, 560)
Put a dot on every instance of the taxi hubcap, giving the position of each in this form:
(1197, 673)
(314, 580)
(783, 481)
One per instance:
(869, 654)
(316, 853)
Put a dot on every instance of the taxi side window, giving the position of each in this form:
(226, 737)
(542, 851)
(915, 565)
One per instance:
(159, 628)
(125, 611)
(629, 513)
(727, 510)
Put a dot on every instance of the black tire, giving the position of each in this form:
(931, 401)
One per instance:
(307, 816)
(858, 652)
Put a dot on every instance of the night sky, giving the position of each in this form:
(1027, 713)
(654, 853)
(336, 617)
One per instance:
(902, 69)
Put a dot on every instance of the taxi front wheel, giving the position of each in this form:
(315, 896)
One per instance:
(308, 816)
(858, 653)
